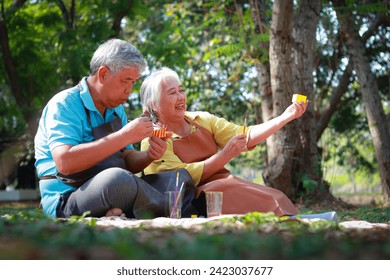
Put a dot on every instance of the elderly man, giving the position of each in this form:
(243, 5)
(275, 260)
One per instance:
(83, 147)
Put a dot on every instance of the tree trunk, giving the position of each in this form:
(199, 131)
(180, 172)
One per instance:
(280, 146)
(292, 150)
(258, 12)
(370, 95)
(307, 160)
(10, 66)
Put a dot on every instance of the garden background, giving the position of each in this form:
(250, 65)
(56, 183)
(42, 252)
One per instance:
(236, 58)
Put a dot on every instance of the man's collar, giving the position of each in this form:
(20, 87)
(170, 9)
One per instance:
(85, 95)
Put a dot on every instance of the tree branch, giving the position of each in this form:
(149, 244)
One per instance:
(345, 80)
(116, 25)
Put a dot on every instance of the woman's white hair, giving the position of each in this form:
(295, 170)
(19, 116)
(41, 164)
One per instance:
(151, 88)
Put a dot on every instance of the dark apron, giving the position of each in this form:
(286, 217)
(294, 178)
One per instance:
(115, 160)
(166, 181)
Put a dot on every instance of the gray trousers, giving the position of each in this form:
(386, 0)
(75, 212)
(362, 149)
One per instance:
(115, 187)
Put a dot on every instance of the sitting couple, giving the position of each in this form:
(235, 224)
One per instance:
(86, 162)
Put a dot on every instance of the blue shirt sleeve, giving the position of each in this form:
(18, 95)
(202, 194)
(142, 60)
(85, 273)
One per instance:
(66, 124)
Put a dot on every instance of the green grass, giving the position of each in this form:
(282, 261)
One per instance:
(12, 208)
(366, 213)
(371, 214)
(25, 233)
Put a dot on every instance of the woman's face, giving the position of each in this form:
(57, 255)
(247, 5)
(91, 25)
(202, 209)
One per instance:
(172, 105)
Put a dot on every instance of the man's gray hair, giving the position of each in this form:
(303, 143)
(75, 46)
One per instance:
(117, 54)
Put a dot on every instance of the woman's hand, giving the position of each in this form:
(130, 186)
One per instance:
(216, 162)
(295, 110)
(157, 146)
(235, 146)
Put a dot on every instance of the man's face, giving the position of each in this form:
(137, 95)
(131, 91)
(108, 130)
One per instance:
(118, 86)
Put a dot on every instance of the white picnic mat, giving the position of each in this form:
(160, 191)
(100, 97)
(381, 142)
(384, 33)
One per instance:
(189, 223)
(364, 225)
(122, 222)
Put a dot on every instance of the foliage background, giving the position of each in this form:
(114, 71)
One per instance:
(212, 46)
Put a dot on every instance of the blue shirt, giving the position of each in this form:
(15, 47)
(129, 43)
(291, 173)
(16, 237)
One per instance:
(64, 122)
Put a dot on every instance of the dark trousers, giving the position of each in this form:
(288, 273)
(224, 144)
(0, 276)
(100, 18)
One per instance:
(138, 197)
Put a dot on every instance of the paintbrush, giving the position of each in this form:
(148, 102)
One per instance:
(245, 121)
(177, 202)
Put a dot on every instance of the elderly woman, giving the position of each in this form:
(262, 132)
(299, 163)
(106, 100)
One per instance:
(203, 144)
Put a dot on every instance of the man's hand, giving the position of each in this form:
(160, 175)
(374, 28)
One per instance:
(138, 129)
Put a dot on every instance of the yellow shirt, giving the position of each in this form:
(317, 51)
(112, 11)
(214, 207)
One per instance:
(220, 128)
